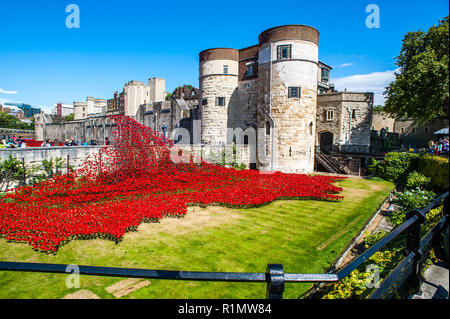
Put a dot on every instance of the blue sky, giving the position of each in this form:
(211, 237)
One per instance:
(43, 62)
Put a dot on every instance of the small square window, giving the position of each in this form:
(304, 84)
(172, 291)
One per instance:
(220, 101)
(284, 52)
(353, 114)
(225, 69)
(294, 92)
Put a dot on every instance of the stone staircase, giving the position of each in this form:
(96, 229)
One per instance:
(330, 164)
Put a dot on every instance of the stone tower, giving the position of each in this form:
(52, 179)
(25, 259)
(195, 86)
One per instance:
(287, 98)
(218, 83)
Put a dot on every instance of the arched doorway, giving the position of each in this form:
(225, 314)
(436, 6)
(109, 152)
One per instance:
(326, 141)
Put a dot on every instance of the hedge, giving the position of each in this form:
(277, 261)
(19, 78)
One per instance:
(436, 168)
(398, 166)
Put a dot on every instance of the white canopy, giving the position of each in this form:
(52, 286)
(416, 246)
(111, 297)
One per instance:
(444, 131)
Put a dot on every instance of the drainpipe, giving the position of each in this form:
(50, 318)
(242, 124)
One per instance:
(270, 109)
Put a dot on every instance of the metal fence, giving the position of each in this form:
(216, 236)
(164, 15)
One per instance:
(406, 274)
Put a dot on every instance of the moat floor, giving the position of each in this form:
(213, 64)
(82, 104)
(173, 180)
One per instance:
(305, 236)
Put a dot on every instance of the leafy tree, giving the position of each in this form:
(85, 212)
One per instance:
(421, 89)
(378, 108)
(70, 117)
(10, 121)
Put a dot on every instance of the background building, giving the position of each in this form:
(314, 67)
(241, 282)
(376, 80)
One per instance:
(62, 109)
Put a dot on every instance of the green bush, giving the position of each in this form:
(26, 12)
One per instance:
(408, 200)
(416, 198)
(417, 180)
(11, 171)
(397, 166)
(354, 286)
(437, 169)
(404, 170)
(376, 168)
(372, 239)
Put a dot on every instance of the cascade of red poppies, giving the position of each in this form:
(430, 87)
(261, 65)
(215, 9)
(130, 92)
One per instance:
(136, 180)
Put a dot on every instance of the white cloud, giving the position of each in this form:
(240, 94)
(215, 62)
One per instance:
(344, 65)
(375, 82)
(7, 92)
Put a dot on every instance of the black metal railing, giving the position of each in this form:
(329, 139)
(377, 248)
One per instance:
(407, 272)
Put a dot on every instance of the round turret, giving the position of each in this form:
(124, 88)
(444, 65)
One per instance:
(287, 91)
(218, 83)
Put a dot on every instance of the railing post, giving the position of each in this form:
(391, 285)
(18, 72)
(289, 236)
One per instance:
(412, 245)
(275, 281)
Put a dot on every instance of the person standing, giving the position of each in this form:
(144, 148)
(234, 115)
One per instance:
(431, 147)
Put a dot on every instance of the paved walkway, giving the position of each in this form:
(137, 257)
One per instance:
(436, 283)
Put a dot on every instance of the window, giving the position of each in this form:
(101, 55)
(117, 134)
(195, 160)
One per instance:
(353, 114)
(267, 128)
(403, 130)
(220, 101)
(414, 130)
(294, 92)
(284, 52)
(225, 69)
(325, 75)
(330, 115)
(250, 70)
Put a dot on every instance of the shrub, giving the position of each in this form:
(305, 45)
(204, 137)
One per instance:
(372, 239)
(11, 171)
(437, 169)
(354, 286)
(417, 180)
(376, 168)
(398, 165)
(408, 200)
(416, 198)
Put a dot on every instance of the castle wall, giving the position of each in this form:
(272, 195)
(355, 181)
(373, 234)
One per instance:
(352, 120)
(382, 120)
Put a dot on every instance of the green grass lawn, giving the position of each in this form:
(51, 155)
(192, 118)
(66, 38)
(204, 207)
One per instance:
(305, 236)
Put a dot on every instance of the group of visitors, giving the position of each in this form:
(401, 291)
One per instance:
(70, 142)
(13, 142)
(440, 147)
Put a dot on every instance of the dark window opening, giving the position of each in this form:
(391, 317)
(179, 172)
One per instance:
(284, 52)
(325, 75)
(250, 70)
(220, 101)
(267, 128)
(294, 92)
